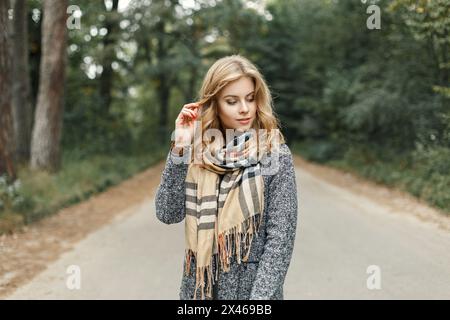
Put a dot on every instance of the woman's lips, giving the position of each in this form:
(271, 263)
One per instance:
(245, 121)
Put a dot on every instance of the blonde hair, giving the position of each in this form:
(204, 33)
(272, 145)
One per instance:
(220, 74)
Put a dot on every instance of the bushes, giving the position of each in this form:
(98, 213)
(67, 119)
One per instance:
(318, 150)
(433, 167)
(10, 201)
(10, 197)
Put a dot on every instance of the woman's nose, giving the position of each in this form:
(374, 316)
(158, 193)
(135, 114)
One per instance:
(244, 107)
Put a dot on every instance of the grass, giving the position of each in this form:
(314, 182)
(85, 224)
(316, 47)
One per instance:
(41, 194)
(424, 174)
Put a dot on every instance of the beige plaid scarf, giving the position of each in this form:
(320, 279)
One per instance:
(224, 205)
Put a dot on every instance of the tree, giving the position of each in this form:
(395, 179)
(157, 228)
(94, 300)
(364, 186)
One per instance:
(108, 56)
(158, 36)
(45, 144)
(22, 112)
(428, 21)
(6, 136)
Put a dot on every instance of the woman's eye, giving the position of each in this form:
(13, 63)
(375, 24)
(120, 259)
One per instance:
(234, 102)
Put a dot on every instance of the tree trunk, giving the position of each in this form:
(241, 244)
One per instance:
(45, 144)
(106, 78)
(22, 112)
(6, 126)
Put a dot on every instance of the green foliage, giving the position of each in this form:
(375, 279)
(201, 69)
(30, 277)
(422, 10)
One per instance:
(318, 150)
(11, 200)
(432, 163)
(10, 194)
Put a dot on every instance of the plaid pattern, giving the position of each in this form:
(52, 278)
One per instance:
(224, 206)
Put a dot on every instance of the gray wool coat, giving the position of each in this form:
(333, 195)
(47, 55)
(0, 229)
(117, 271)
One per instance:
(262, 277)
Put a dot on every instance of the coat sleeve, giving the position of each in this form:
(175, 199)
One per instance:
(280, 231)
(170, 195)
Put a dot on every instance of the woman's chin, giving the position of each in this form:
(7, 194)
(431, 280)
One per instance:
(244, 127)
(241, 128)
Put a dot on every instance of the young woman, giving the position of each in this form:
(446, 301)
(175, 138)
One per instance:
(238, 196)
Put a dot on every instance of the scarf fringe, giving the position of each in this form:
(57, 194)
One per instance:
(229, 245)
(201, 281)
(230, 241)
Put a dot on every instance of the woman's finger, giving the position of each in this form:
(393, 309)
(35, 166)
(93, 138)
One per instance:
(182, 115)
(192, 113)
(187, 115)
(186, 109)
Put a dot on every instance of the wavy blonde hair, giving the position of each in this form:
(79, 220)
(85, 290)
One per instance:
(220, 74)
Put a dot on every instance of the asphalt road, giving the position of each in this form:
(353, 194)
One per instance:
(340, 236)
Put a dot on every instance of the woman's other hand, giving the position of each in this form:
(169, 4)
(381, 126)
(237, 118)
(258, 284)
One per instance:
(184, 124)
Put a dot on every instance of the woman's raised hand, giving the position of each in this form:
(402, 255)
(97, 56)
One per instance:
(184, 124)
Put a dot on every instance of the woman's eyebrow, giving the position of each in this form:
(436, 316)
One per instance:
(230, 95)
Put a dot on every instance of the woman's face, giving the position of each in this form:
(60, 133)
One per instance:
(237, 105)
